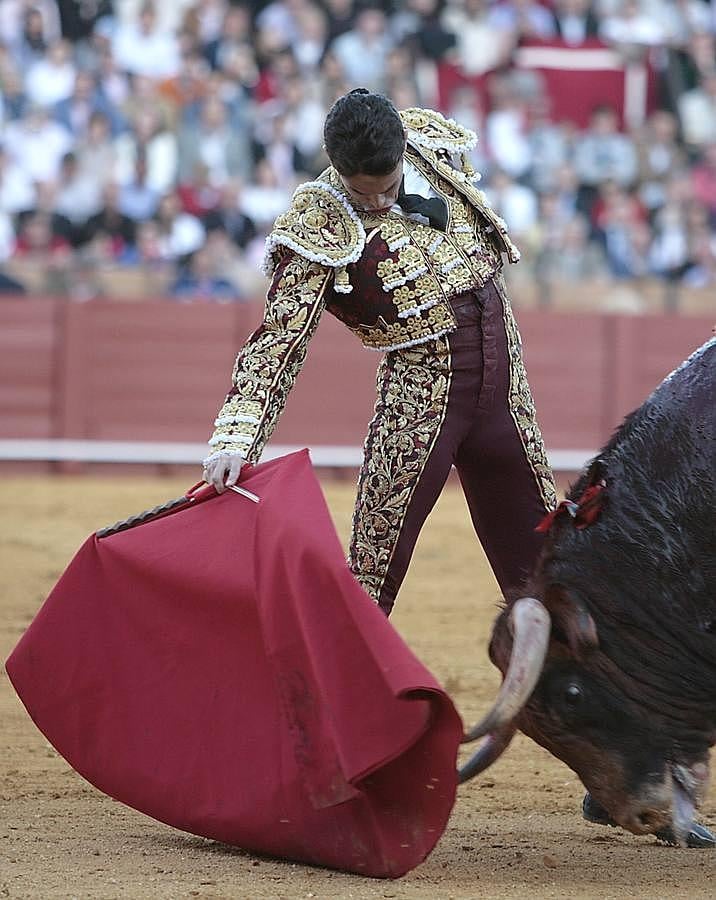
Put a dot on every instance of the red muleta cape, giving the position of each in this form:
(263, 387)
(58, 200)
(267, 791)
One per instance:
(220, 669)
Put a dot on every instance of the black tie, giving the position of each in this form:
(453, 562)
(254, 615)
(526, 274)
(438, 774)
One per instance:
(434, 209)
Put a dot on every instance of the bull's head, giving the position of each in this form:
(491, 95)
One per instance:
(563, 692)
(613, 669)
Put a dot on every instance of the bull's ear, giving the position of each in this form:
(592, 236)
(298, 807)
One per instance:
(572, 619)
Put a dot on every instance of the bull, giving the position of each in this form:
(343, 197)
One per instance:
(609, 662)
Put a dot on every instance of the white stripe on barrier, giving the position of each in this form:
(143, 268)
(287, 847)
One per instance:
(568, 59)
(166, 453)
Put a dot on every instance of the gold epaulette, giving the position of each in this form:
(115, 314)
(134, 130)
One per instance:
(321, 226)
(430, 129)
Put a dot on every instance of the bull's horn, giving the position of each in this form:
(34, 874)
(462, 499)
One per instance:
(491, 747)
(530, 628)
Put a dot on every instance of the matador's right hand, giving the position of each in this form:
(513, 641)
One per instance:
(223, 470)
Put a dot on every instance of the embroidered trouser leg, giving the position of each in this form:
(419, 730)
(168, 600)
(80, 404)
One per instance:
(462, 400)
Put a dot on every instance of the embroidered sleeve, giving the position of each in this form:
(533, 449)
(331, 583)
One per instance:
(271, 358)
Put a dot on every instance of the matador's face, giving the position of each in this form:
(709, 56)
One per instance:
(374, 193)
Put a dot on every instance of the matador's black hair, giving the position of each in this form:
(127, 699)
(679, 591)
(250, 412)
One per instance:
(364, 134)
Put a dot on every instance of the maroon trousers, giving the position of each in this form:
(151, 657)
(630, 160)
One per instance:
(479, 436)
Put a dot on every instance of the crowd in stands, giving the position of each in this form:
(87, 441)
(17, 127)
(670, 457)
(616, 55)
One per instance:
(146, 147)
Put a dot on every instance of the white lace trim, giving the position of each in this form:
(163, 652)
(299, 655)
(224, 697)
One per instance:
(231, 439)
(449, 266)
(463, 229)
(409, 276)
(401, 242)
(469, 142)
(435, 243)
(414, 343)
(416, 310)
(342, 288)
(234, 420)
(219, 453)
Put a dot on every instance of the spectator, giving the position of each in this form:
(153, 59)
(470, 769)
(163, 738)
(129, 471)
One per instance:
(14, 99)
(111, 227)
(479, 48)
(419, 25)
(304, 115)
(697, 112)
(17, 190)
(44, 23)
(180, 233)
(363, 51)
(37, 242)
(523, 19)
(229, 218)
(78, 196)
(235, 33)
(506, 128)
(701, 271)
(703, 180)
(341, 17)
(198, 280)
(78, 20)
(238, 66)
(37, 144)
(95, 151)
(279, 151)
(51, 78)
(279, 19)
(549, 147)
(265, 198)
(112, 82)
(631, 29)
(625, 234)
(200, 195)
(670, 246)
(658, 157)
(575, 21)
(680, 19)
(151, 139)
(516, 203)
(213, 143)
(7, 237)
(137, 199)
(145, 48)
(29, 44)
(603, 154)
(311, 37)
(569, 256)
(75, 112)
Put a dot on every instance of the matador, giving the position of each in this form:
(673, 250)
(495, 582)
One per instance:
(396, 240)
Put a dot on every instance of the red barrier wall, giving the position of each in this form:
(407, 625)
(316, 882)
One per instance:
(158, 371)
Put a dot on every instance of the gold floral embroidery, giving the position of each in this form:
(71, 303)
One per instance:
(431, 129)
(522, 408)
(431, 323)
(320, 225)
(269, 362)
(412, 388)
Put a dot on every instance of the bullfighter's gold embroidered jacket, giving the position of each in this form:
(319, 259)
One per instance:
(387, 277)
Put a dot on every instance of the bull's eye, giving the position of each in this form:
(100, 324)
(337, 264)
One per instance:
(573, 695)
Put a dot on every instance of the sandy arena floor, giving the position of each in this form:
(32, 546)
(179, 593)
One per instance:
(516, 832)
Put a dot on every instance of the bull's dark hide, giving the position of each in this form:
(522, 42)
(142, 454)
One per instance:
(645, 569)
